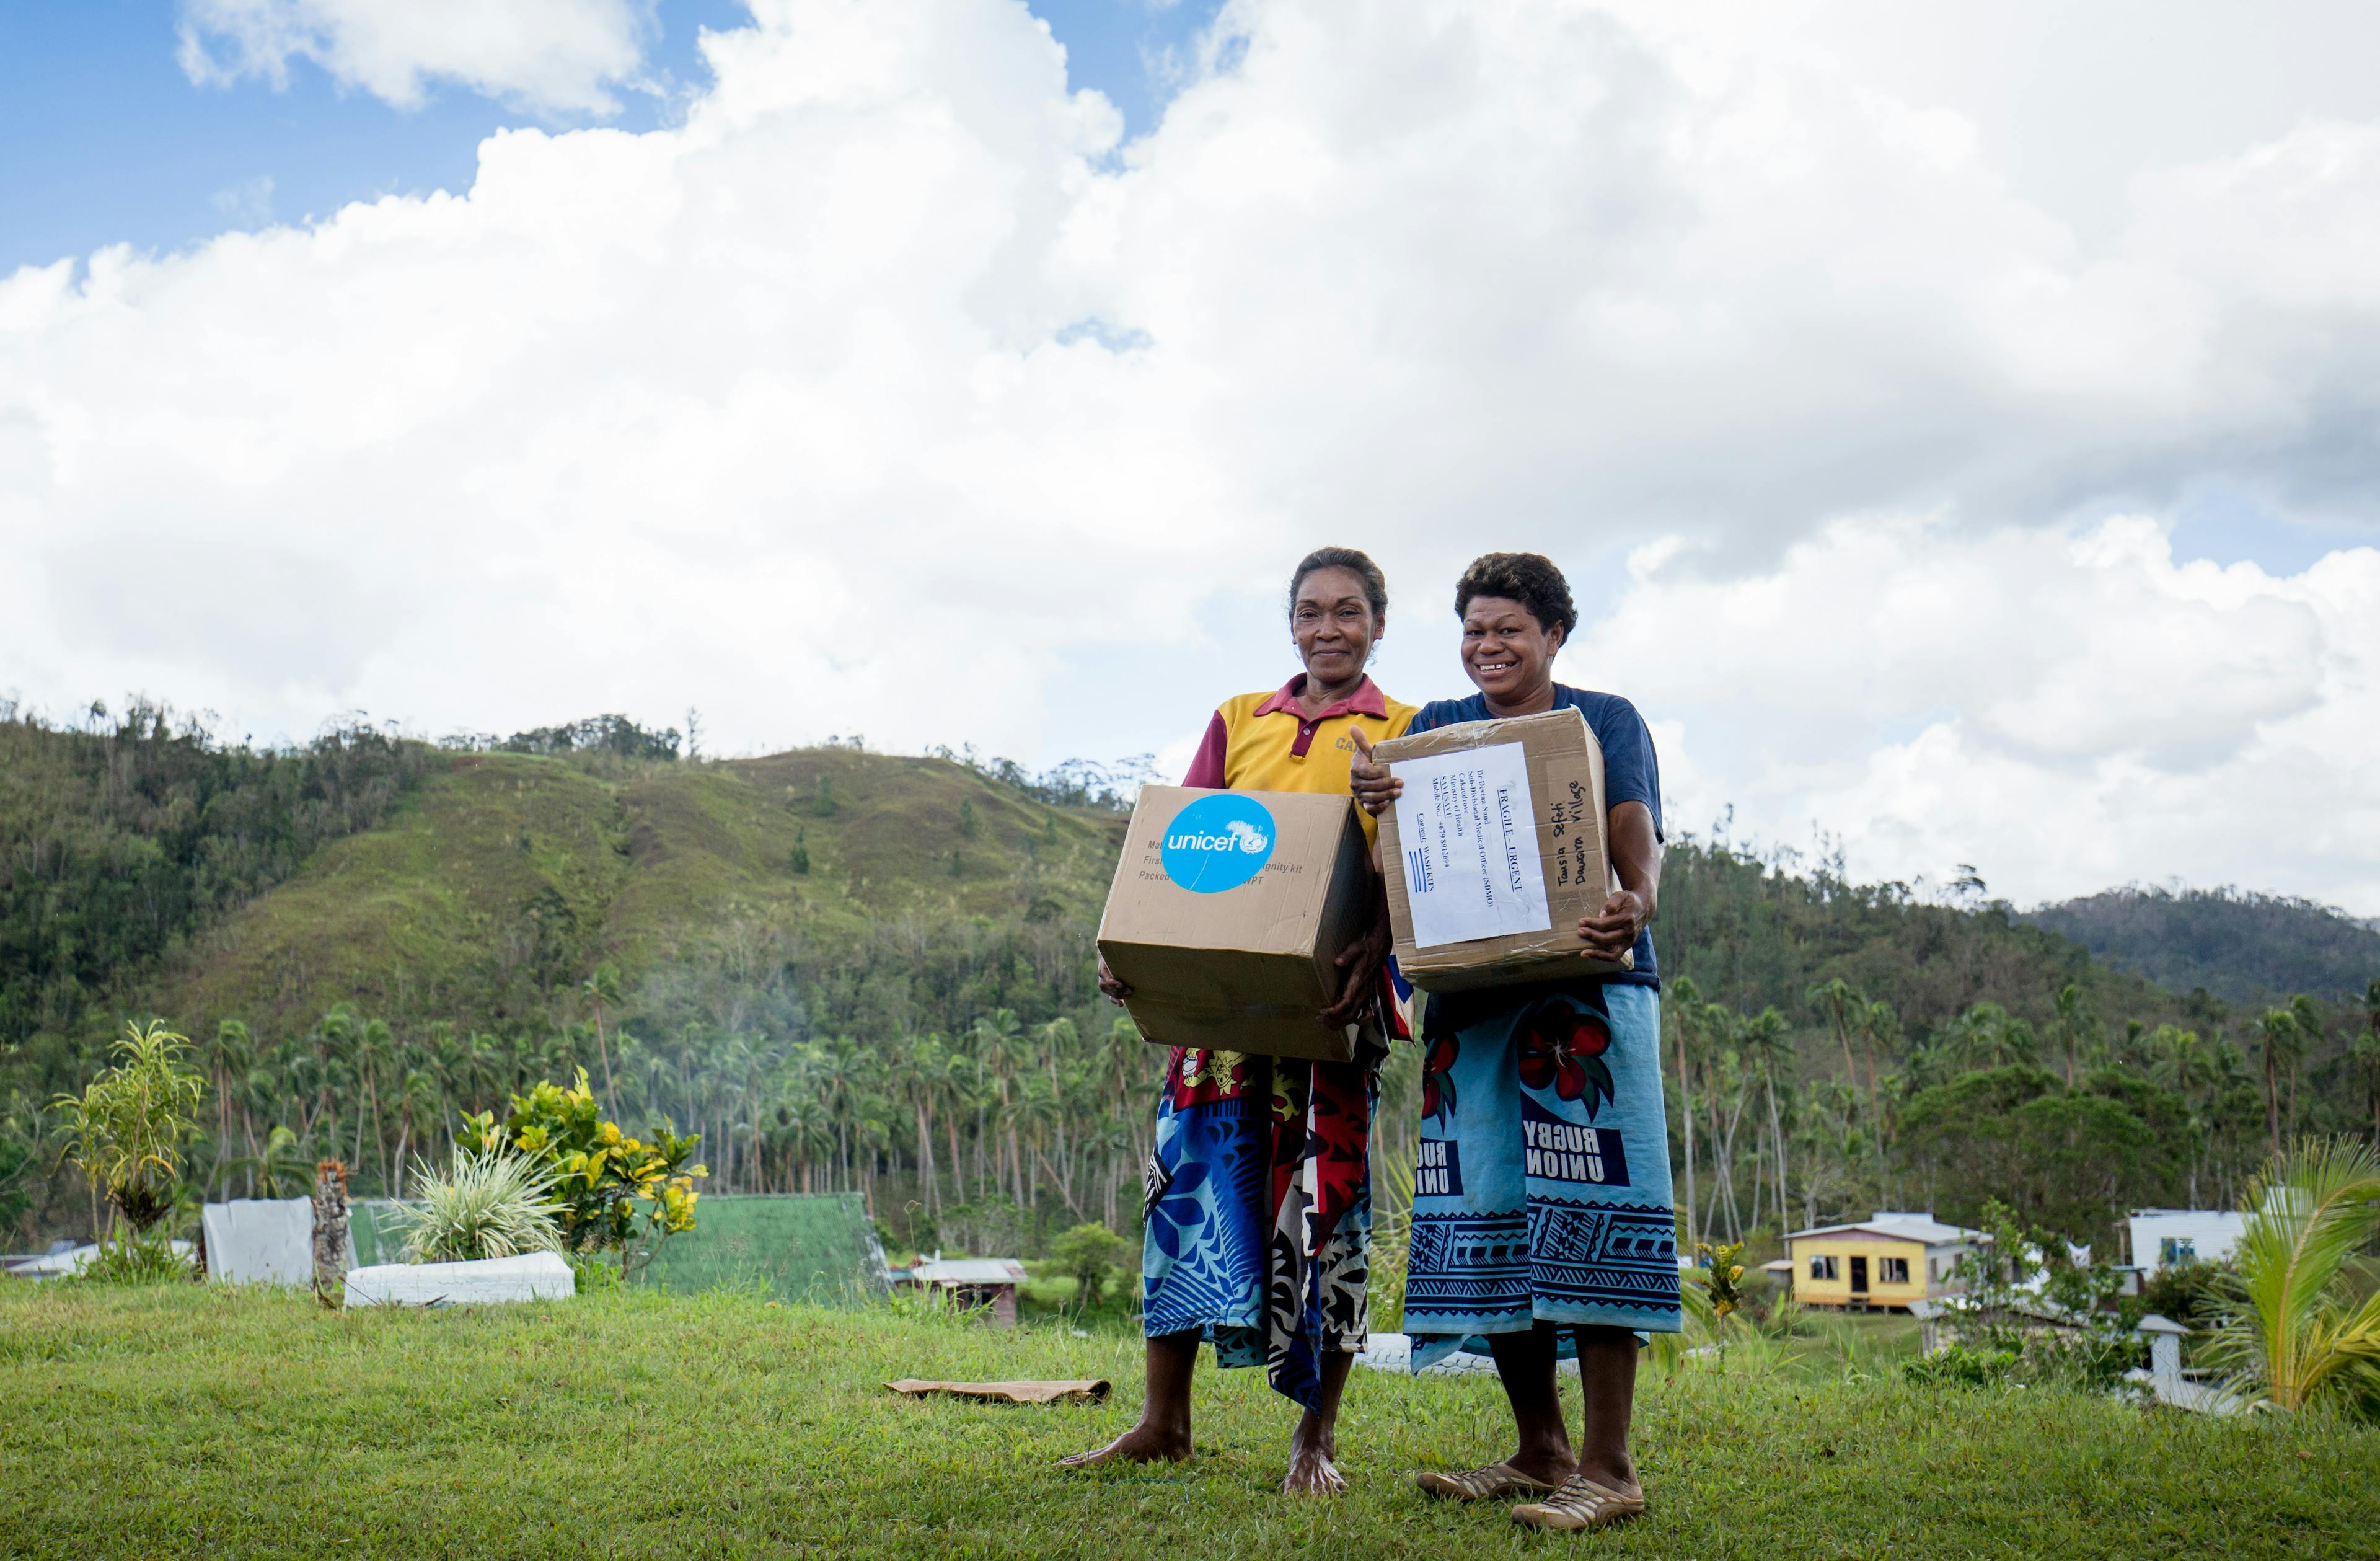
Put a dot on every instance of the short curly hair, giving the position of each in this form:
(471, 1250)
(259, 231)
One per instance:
(1355, 562)
(1529, 578)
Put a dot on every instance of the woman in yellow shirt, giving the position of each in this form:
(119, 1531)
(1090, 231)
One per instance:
(1258, 1205)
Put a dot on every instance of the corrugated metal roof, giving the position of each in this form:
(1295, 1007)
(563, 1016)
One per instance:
(1898, 1224)
(968, 1271)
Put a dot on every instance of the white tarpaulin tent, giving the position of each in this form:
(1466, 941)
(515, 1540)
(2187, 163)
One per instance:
(531, 1277)
(260, 1241)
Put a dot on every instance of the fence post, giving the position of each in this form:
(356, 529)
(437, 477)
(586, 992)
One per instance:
(329, 1229)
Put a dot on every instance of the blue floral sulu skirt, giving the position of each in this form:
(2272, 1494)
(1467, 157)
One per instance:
(1541, 1193)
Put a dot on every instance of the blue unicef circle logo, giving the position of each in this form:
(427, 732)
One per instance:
(1218, 842)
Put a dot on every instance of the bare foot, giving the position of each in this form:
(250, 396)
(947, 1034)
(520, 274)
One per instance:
(1311, 1472)
(1552, 1468)
(1614, 1474)
(1143, 1444)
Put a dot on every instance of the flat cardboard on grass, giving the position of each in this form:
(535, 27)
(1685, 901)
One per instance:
(1245, 969)
(1561, 792)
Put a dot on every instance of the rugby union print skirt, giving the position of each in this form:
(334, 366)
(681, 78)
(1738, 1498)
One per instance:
(1541, 1191)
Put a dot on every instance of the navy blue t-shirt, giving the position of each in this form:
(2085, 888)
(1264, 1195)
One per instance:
(1632, 773)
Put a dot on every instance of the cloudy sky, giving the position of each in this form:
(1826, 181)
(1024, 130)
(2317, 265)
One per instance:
(1959, 422)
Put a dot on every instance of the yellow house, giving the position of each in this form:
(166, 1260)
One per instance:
(1888, 1261)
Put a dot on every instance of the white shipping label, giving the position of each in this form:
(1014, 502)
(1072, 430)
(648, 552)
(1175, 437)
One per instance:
(1469, 836)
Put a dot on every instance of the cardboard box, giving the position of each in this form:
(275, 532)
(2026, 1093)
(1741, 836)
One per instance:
(1228, 913)
(1494, 851)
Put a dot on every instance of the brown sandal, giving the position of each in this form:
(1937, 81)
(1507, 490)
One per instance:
(1480, 1485)
(1580, 1503)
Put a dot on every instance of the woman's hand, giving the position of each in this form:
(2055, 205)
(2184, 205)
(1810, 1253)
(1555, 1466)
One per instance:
(1375, 788)
(1360, 963)
(1637, 858)
(1116, 991)
(1613, 931)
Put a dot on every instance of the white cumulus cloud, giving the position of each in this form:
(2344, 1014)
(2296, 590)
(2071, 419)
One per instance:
(892, 393)
(549, 55)
(2067, 709)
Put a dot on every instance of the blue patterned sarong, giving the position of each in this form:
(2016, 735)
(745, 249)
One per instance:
(1259, 1211)
(1203, 1253)
(1541, 1193)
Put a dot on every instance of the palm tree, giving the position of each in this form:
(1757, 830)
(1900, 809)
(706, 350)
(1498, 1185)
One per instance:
(602, 991)
(1844, 1006)
(234, 1059)
(1838, 1148)
(334, 1039)
(1988, 1035)
(2184, 1063)
(2279, 1030)
(2074, 1019)
(1686, 1002)
(1769, 1043)
(2366, 1055)
(2296, 1331)
(999, 1043)
(420, 1099)
(1126, 1054)
(925, 1076)
(1879, 1026)
(2313, 1030)
(1731, 1088)
(280, 1169)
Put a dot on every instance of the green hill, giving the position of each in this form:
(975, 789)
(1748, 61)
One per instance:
(867, 972)
(490, 892)
(2243, 947)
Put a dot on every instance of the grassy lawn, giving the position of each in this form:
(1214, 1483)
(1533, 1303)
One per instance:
(186, 1421)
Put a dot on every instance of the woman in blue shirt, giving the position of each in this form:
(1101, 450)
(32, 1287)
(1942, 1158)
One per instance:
(1534, 1256)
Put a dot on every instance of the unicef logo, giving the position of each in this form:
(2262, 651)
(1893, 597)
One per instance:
(1218, 842)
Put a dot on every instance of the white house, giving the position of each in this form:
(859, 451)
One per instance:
(2164, 1236)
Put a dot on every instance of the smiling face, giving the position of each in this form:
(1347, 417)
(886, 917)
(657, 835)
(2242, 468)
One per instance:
(1334, 626)
(1508, 654)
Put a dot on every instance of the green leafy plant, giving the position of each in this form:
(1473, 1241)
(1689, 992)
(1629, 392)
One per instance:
(495, 1203)
(1957, 1366)
(1392, 1200)
(1980, 1310)
(2294, 1332)
(1721, 1272)
(2190, 1293)
(615, 1193)
(126, 1130)
(2098, 1345)
(1090, 1252)
(1699, 1326)
(19, 1154)
(282, 1167)
(126, 1256)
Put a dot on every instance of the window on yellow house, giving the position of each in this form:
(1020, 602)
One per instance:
(1822, 1266)
(1896, 1271)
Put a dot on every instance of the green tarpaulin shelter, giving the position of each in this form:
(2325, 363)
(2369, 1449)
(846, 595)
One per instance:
(797, 1246)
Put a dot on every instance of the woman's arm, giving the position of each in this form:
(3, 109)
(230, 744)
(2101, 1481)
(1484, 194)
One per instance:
(1636, 855)
(1360, 962)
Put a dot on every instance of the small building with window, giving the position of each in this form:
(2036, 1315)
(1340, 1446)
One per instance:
(2162, 1238)
(1888, 1261)
(987, 1285)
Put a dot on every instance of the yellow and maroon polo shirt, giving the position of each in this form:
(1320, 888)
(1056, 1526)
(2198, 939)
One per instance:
(1263, 742)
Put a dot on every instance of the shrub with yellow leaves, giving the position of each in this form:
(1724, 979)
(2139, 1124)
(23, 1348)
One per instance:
(616, 1193)
(1721, 1274)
